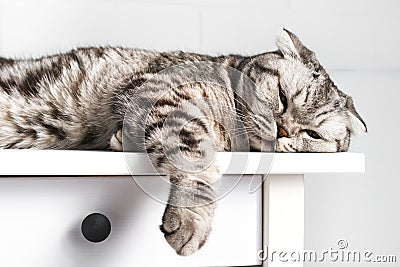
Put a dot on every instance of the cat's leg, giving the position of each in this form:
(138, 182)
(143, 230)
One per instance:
(186, 153)
(187, 219)
(116, 141)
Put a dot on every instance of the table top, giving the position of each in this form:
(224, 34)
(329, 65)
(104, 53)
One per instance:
(73, 163)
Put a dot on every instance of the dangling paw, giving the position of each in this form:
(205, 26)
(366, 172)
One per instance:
(116, 141)
(186, 229)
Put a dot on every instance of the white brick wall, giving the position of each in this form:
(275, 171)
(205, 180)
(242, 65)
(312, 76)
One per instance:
(356, 34)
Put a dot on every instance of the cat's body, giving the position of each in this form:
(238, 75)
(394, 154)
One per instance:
(79, 100)
(66, 101)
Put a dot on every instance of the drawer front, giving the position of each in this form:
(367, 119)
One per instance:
(41, 217)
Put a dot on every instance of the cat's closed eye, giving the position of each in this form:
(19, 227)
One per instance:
(283, 99)
(313, 134)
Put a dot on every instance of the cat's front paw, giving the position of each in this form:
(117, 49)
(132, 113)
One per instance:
(186, 229)
(116, 141)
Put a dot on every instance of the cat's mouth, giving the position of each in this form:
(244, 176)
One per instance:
(283, 146)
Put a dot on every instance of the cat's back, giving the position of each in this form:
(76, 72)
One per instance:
(91, 65)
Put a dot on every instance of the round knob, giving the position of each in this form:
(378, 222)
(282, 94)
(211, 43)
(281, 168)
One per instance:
(96, 227)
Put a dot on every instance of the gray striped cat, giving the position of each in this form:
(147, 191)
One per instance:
(83, 99)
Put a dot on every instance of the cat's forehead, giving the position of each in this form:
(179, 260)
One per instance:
(304, 86)
(294, 76)
(312, 98)
(316, 101)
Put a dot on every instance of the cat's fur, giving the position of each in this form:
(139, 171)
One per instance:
(79, 100)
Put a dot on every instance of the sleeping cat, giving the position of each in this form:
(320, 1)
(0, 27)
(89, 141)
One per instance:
(84, 98)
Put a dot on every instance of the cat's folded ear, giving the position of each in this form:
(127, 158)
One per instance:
(357, 125)
(290, 46)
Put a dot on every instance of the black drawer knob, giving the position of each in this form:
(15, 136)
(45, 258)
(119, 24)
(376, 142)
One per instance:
(96, 227)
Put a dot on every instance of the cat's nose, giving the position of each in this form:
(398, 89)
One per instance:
(282, 132)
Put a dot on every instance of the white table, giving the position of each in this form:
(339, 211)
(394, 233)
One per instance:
(55, 189)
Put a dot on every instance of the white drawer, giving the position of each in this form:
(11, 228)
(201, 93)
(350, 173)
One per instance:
(41, 219)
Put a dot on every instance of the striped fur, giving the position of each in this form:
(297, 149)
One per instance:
(93, 98)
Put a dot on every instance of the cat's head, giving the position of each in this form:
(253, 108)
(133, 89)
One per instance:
(311, 113)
